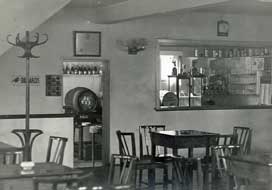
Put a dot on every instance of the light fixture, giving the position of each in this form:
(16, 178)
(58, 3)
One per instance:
(133, 45)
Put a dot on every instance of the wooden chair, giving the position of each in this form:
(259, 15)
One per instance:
(126, 177)
(120, 177)
(242, 137)
(22, 134)
(222, 140)
(56, 147)
(220, 152)
(145, 141)
(127, 147)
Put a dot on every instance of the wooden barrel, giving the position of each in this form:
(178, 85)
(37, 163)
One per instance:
(81, 99)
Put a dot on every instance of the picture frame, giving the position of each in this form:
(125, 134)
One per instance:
(222, 28)
(87, 43)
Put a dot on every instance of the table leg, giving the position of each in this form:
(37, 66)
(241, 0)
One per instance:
(213, 165)
(93, 140)
(80, 143)
(190, 152)
(151, 172)
(151, 179)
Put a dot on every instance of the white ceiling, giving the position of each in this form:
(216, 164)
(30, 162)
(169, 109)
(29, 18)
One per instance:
(251, 7)
(93, 3)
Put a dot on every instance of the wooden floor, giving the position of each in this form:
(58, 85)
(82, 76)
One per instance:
(100, 178)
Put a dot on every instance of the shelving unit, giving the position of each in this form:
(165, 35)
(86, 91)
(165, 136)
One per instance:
(244, 84)
(187, 91)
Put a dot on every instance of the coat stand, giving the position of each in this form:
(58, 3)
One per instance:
(27, 45)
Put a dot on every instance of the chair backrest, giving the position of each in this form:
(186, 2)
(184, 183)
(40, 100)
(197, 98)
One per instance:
(242, 137)
(11, 157)
(56, 147)
(225, 139)
(123, 174)
(145, 140)
(126, 143)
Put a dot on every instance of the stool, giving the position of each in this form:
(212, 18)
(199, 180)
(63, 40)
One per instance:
(93, 130)
(80, 138)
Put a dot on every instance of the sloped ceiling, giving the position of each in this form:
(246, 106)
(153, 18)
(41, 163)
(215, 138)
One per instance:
(132, 9)
(17, 16)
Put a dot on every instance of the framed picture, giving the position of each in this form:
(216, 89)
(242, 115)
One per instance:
(87, 43)
(222, 28)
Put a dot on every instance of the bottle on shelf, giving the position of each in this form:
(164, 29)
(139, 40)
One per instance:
(196, 52)
(72, 70)
(80, 71)
(174, 69)
(76, 70)
(85, 70)
(206, 52)
(90, 70)
(100, 70)
(66, 69)
(95, 70)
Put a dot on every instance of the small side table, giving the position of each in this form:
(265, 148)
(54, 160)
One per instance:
(93, 130)
(80, 138)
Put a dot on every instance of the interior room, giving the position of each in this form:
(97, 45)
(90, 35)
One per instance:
(82, 70)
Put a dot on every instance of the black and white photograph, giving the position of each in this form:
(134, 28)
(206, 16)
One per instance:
(136, 95)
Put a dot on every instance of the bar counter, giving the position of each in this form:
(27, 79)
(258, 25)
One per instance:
(21, 116)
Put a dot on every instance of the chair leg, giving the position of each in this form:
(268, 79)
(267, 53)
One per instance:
(200, 174)
(140, 177)
(165, 178)
(35, 185)
(54, 186)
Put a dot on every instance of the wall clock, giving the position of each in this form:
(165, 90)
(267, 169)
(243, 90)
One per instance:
(222, 28)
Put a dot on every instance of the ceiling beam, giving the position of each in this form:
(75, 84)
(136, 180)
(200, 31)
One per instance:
(132, 9)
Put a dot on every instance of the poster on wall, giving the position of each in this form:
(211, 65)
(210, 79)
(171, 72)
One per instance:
(20, 80)
(53, 85)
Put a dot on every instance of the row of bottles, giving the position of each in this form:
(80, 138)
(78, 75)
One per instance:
(82, 69)
(232, 52)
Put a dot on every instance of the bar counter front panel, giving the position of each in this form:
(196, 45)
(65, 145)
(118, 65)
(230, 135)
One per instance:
(50, 124)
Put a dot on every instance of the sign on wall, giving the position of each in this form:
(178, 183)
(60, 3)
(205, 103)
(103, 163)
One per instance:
(20, 80)
(53, 85)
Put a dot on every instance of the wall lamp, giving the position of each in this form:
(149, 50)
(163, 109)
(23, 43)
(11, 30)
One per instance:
(134, 45)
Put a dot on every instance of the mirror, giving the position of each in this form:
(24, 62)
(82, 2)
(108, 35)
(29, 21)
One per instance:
(213, 74)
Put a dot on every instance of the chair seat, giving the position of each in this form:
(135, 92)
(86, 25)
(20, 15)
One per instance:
(149, 164)
(121, 187)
